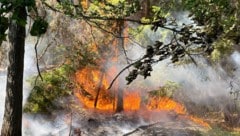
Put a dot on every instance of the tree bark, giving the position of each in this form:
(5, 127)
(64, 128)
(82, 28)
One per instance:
(12, 121)
(119, 101)
(99, 89)
(120, 105)
(147, 8)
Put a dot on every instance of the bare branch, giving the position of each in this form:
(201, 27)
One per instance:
(44, 51)
(123, 19)
(128, 66)
(50, 7)
(103, 29)
(36, 52)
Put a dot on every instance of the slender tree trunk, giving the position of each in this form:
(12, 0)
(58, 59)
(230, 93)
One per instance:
(119, 101)
(12, 121)
(119, 107)
(147, 8)
(99, 89)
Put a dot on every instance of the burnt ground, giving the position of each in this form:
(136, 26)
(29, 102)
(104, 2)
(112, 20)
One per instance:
(174, 128)
(141, 123)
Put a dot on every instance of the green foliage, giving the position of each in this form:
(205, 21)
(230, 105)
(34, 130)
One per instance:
(142, 33)
(184, 41)
(215, 34)
(159, 12)
(39, 27)
(207, 9)
(219, 17)
(217, 131)
(19, 20)
(30, 3)
(121, 8)
(55, 85)
(167, 90)
(5, 8)
(3, 28)
(8, 6)
(145, 20)
(99, 8)
(221, 48)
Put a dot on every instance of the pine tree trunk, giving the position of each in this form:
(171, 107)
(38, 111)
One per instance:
(12, 121)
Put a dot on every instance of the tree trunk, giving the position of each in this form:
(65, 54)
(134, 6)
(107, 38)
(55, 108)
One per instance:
(147, 8)
(119, 101)
(119, 107)
(12, 121)
(99, 89)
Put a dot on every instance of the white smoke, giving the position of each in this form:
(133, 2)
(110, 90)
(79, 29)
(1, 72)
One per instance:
(2, 95)
(32, 126)
(203, 84)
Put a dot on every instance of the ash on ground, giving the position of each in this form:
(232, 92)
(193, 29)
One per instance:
(139, 123)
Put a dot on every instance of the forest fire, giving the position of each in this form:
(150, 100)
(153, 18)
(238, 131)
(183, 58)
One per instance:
(93, 93)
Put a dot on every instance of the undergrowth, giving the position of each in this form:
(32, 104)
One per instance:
(56, 84)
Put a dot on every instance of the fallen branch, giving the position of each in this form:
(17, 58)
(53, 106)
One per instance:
(139, 128)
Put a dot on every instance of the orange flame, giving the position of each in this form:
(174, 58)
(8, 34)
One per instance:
(165, 103)
(199, 121)
(89, 81)
(92, 80)
(131, 101)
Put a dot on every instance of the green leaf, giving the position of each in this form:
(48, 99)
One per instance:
(30, 3)
(19, 20)
(2, 38)
(3, 28)
(4, 2)
(39, 27)
(156, 9)
(4, 24)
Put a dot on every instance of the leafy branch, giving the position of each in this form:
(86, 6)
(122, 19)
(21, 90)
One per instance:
(186, 39)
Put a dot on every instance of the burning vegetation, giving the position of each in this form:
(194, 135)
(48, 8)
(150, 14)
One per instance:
(93, 93)
(93, 81)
